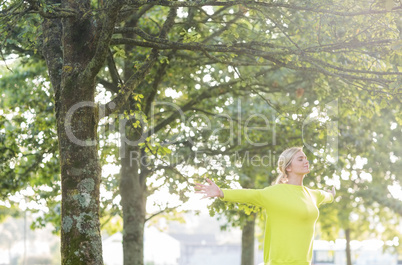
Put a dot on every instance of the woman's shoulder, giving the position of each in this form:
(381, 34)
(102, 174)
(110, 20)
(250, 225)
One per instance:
(316, 192)
(273, 187)
(312, 190)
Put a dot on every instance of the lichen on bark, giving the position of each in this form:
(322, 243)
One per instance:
(86, 185)
(85, 224)
(67, 224)
(84, 199)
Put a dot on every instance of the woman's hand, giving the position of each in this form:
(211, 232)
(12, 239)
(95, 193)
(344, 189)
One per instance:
(209, 191)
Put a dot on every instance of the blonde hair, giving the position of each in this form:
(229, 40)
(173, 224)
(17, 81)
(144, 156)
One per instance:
(285, 159)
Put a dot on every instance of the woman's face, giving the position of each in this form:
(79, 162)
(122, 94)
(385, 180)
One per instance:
(299, 164)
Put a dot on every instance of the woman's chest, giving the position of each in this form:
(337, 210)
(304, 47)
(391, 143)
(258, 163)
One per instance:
(298, 206)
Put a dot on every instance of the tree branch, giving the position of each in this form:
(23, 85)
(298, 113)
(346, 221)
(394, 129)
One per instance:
(168, 23)
(346, 76)
(53, 54)
(347, 45)
(192, 46)
(114, 74)
(124, 13)
(206, 94)
(11, 9)
(54, 11)
(284, 32)
(126, 90)
(157, 80)
(259, 4)
(109, 86)
(341, 69)
(270, 56)
(105, 35)
(226, 27)
(137, 78)
(160, 212)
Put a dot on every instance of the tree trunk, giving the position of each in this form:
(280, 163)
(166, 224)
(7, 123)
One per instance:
(132, 182)
(80, 172)
(80, 176)
(348, 251)
(247, 241)
(133, 201)
(67, 51)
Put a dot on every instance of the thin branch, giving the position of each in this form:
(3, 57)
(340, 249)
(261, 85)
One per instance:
(238, 50)
(270, 56)
(9, 11)
(347, 45)
(124, 13)
(114, 74)
(341, 69)
(160, 72)
(269, 103)
(220, 115)
(223, 89)
(226, 27)
(156, 23)
(160, 212)
(116, 103)
(284, 32)
(137, 78)
(260, 4)
(165, 166)
(194, 46)
(54, 11)
(4, 60)
(346, 76)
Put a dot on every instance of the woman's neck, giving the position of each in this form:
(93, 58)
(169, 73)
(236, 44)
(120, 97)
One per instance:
(295, 180)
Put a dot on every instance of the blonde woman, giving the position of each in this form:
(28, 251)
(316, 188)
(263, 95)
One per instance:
(291, 209)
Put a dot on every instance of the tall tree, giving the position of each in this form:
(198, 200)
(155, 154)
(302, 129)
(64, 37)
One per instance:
(75, 39)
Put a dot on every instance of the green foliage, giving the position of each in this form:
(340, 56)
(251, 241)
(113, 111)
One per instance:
(8, 211)
(120, 53)
(28, 137)
(190, 36)
(281, 63)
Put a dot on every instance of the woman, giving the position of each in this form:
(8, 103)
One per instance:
(291, 209)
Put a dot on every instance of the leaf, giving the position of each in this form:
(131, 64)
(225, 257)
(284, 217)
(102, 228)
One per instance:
(119, 52)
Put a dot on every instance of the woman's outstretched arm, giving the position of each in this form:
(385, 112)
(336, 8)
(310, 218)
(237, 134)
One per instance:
(249, 196)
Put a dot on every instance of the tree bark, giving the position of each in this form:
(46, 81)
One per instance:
(247, 241)
(133, 201)
(348, 251)
(132, 183)
(67, 51)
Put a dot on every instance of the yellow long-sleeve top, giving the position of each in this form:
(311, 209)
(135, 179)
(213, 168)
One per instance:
(291, 214)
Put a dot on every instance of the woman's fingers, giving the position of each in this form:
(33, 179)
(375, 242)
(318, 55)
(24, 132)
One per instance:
(332, 191)
(207, 190)
(199, 186)
(210, 181)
